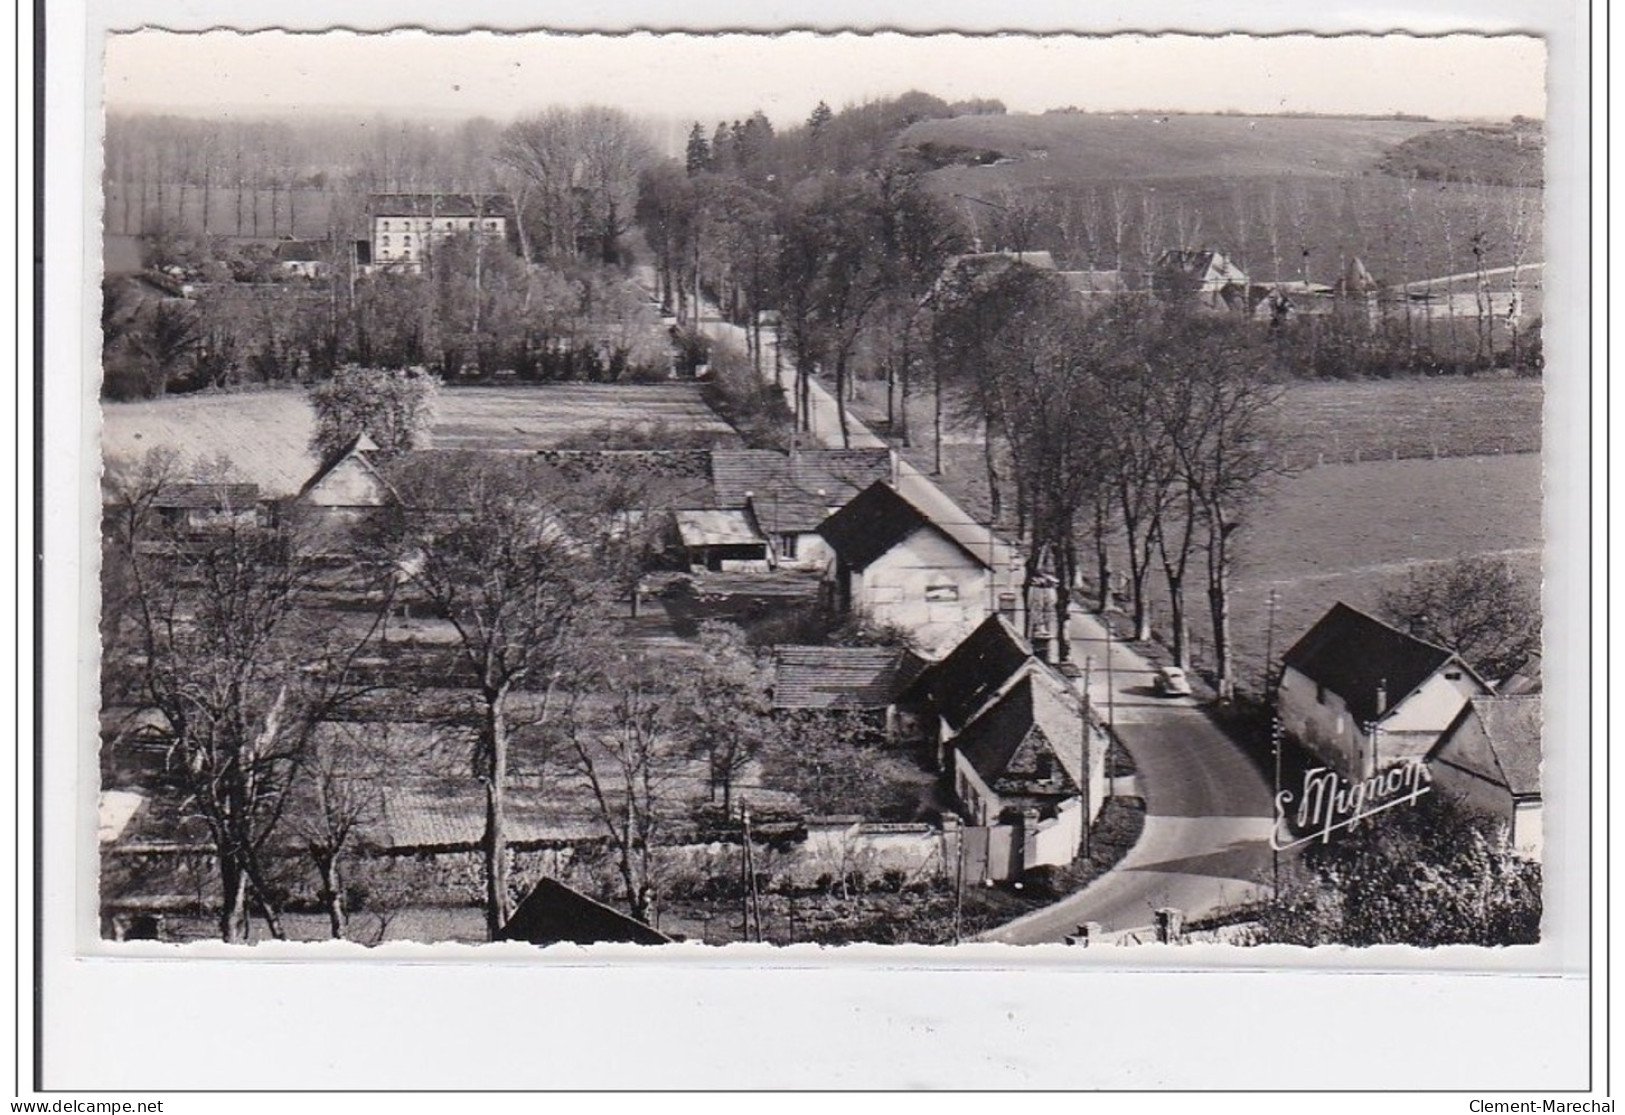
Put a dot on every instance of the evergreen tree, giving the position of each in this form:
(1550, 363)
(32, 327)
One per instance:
(698, 157)
(723, 157)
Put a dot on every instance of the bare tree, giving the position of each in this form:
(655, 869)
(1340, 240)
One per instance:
(725, 706)
(1482, 607)
(1226, 454)
(227, 648)
(625, 748)
(339, 797)
(485, 544)
(584, 165)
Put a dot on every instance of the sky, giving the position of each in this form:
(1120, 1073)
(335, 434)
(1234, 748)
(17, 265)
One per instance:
(714, 77)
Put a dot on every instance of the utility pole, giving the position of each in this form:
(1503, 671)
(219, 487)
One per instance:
(1088, 674)
(959, 888)
(1275, 853)
(1269, 651)
(1376, 726)
(1111, 720)
(753, 906)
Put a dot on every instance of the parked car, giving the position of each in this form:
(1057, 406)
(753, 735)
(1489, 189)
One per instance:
(1171, 682)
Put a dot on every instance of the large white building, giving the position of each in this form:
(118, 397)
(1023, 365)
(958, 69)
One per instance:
(406, 227)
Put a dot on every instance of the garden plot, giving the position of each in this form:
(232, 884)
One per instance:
(266, 435)
(541, 416)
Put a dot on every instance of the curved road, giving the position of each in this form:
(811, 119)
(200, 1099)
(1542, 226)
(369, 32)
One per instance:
(1207, 821)
(1205, 842)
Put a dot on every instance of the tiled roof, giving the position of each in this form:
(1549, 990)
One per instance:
(784, 489)
(1353, 655)
(450, 815)
(300, 251)
(717, 528)
(1513, 727)
(553, 912)
(976, 538)
(688, 463)
(1036, 716)
(209, 497)
(840, 677)
(1525, 679)
(439, 205)
(651, 479)
(963, 682)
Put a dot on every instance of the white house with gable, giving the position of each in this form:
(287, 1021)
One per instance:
(1362, 695)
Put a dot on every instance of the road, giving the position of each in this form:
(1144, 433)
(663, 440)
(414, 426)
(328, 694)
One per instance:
(1205, 843)
(1206, 837)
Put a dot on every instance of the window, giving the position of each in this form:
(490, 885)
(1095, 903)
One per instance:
(491, 225)
(385, 241)
(1007, 604)
(407, 238)
(787, 546)
(941, 594)
(1320, 693)
(469, 225)
(386, 225)
(1452, 675)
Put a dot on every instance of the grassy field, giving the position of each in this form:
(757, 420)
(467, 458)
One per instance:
(266, 434)
(1349, 532)
(1125, 146)
(1330, 421)
(1264, 189)
(1445, 416)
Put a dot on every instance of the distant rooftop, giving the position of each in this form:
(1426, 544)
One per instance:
(439, 205)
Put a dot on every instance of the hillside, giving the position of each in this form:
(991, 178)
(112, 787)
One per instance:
(1511, 155)
(1285, 197)
(1085, 147)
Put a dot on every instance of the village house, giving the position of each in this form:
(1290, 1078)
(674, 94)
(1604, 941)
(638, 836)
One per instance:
(1026, 780)
(982, 667)
(895, 565)
(1202, 275)
(340, 495)
(1361, 695)
(197, 508)
(787, 495)
(406, 227)
(864, 681)
(304, 259)
(1489, 761)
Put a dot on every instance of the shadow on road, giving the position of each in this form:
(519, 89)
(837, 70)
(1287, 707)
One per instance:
(1238, 860)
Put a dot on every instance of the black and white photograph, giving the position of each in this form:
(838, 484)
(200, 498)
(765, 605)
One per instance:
(692, 490)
